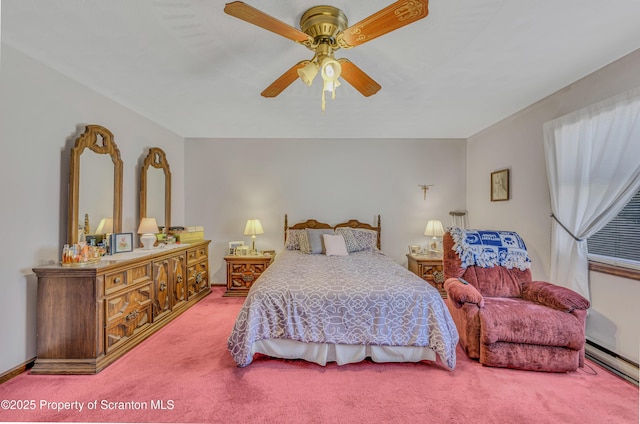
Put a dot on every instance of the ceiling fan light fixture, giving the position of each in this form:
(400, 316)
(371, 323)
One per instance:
(308, 72)
(330, 69)
(324, 30)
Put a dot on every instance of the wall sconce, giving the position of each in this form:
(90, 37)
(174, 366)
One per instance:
(424, 188)
(148, 228)
(434, 229)
(252, 228)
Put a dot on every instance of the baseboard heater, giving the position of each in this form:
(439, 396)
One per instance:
(615, 363)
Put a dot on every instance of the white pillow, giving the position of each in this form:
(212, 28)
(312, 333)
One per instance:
(334, 245)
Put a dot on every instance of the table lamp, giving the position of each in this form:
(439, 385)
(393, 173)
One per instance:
(148, 228)
(252, 228)
(105, 226)
(434, 229)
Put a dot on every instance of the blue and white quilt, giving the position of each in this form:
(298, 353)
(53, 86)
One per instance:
(487, 249)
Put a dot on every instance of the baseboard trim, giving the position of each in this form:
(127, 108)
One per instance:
(615, 363)
(6, 376)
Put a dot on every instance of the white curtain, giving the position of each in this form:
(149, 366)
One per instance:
(593, 168)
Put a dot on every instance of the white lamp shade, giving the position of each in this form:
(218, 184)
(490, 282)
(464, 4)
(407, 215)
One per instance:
(148, 226)
(330, 69)
(434, 228)
(105, 226)
(308, 72)
(253, 227)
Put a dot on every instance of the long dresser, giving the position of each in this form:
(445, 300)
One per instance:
(91, 315)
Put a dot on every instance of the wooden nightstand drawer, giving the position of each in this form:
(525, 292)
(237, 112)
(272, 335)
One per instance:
(243, 271)
(429, 269)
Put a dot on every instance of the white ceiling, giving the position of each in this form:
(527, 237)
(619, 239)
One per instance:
(197, 71)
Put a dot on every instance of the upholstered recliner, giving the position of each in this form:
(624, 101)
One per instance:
(505, 319)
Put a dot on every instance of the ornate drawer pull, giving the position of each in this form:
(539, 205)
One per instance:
(163, 286)
(179, 279)
(131, 316)
(247, 278)
(199, 278)
(438, 276)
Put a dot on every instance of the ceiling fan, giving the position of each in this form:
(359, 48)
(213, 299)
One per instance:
(324, 30)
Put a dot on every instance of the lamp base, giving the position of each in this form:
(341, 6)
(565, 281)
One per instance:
(434, 248)
(148, 240)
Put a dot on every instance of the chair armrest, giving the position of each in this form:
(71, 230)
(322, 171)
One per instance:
(461, 293)
(553, 296)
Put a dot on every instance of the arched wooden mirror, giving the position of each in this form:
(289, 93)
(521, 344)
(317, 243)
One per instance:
(155, 188)
(95, 183)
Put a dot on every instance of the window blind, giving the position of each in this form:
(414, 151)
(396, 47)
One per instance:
(620, 238)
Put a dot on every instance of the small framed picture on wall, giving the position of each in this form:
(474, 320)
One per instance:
(500, 185)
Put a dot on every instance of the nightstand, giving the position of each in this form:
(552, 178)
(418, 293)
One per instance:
(429, 269)
(243, 271)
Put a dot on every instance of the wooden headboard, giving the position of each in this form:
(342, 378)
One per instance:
(353, 223)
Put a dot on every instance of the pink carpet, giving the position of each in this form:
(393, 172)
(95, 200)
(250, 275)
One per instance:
(184, 374)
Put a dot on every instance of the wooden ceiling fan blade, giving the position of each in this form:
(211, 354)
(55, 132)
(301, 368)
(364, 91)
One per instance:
(284, 81)
(358, 79)
(256, 17)
(392, 17)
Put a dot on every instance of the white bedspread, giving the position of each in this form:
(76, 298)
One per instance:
(364, 298)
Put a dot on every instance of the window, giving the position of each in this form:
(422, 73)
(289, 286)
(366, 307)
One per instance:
(618, 243)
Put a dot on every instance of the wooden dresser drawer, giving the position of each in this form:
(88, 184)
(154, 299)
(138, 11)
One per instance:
(127, 313)
(115, 282)
(197, 278)
(124, 279)
(195, 255)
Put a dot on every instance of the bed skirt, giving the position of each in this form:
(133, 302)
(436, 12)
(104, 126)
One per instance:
(321, 353)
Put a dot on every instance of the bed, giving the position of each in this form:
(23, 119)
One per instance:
(341, 301)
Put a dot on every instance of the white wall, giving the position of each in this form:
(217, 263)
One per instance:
(517, 143)
(41, 114)
(230, 181)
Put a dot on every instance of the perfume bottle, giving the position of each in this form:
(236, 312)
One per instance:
(66, 254)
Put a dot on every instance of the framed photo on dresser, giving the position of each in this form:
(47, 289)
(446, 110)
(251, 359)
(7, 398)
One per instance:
(122, 242)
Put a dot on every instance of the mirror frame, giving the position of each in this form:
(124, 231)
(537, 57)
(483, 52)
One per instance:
(89, 140)
(158, 159)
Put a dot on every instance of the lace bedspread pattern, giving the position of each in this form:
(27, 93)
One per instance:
(364, 298)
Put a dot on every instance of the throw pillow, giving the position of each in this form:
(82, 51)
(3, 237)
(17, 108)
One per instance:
(335, 245)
